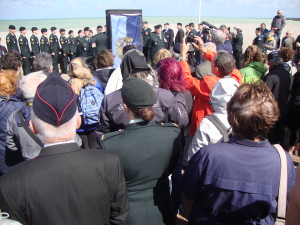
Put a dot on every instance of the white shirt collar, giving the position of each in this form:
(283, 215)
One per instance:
(59, 143)
(135, 121)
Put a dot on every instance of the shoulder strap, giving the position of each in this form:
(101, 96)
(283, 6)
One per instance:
(281, 209)
(31, 134)
(219, 125)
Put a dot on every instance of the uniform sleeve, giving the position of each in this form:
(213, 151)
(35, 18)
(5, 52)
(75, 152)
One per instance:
(21, 44)
(51, 44)
(8, 42)
(42, 44)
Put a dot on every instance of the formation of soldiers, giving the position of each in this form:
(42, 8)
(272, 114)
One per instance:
(63, 50)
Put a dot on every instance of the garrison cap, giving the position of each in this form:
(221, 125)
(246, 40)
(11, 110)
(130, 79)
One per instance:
(138, 93)
(22, 28)
(34, 28)
(11, 27)
(53, 28)
(43, 30)
(54, 101)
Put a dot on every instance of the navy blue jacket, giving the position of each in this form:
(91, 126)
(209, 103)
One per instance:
(235, 183)
(227, 46)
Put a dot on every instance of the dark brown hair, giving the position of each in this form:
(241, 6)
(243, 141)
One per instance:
(104, 59)
(252, 54)
(252, 111)
(146, 114)
(286, 53)
(11, 61)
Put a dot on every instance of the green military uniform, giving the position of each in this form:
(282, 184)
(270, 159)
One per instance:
(72, 47)
(146, 36)
(148, 153)
(155, 43)
(35, 45)
(12, 43)
(25, 53)
(86, 47)
(54, 49)
(93, 46)
(101, 42)
(79, 41)
(65, 52)
(45, 47)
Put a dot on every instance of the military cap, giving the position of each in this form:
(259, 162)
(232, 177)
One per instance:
(79, 31)
(70, 32)
(11, 27)
(54, 101)
(53, 28)
(86, 29)
(138, 93)
(43, 30)
(166, 24)
(145, 22)
(223, 25)
(180, 24)
(98, 27)
(34, 28)
(158, 26)
(258, 29)
(22, 28)
(62, 30)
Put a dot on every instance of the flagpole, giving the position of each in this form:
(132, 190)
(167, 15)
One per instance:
(200, 5)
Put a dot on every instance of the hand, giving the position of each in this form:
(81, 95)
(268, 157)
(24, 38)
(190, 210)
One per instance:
(200, 45)
(184, 48)
(52, 53)
(24, 57)
(65, 54)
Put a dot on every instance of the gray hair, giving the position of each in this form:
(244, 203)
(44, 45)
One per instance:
(149, 76)
(225, 62)
(51, 134)
(218, 37)
(211, 46)
(42, 61)
(28, 84)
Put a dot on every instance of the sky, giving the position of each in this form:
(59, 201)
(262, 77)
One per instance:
(51, 9)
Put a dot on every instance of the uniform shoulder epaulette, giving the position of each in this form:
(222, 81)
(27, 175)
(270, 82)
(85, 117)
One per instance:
(169, 125)
(111, 134)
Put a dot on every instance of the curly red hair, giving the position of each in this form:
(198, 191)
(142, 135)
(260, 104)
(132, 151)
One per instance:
(170, 75)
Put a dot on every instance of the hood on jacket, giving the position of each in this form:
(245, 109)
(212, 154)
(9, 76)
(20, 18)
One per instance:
(258, 66)
(222, 93)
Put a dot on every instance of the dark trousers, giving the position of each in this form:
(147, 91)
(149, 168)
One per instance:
(238, 56)
(26, 66)
(89, 139)
(64, 64)
(55, 62)
(146, 53)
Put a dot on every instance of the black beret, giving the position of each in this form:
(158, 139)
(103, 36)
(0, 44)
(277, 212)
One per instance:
(11, 27)
(43, 30)
(86, 29)
(138, 93)
(180, 24)
(79, 31)
(53, 28)
(71, 31)
(166, 24)
(273, 56)
(22, 28)
(99, 27)
(62, 30)
(157, 26)
(34, 28)
(54, 101)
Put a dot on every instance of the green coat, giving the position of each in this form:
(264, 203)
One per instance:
(45, 47)
(24, 47)
(54, 45)
(101, 42)
(148, 153)
(64, 45)
(253, 72)
(155, 43)
(86, 47)
(79, 41)
(72, 45)
(12, 43)
(35, 45)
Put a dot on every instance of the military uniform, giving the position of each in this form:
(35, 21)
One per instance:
(72, 47)
(45, 47)
(101, 42)
(155, 43)
(54, 48)
(25, 53)
(259, 41)
(146, 36)
(65, 50)
(35, 45)
(12, 43)
(93, 46)
(148, 153)
(86, 47)
(169, 35)
(79, 45)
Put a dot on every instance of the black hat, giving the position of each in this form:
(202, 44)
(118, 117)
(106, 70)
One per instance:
(79, 31)
(43, 30)
(157, 26)
(70, 32)
(180, 24)
(54, 101)
(11, 27)
(98, 27)
(22, 28)
(86, 29)
(138, 93)
(62, 30)
(34, 28)
(274, 57)
(53, 28)
(166, 24)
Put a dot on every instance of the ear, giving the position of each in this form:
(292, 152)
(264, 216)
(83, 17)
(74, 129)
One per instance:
(32, 127)
(51, 69)
(78, 124)
(126, 107)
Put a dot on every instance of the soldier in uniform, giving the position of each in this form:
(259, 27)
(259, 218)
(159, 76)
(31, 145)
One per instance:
(79, 40)
(54, 48)
(146, 36)
(259, 40)
(156, 41)
(192, 32)
(65, 50)
(72, 45)
(86, 45)
(11, 39)
(180, 33)
(44, 45)
(25, 51)
(169, 36)
(100, 40)
(34, 40)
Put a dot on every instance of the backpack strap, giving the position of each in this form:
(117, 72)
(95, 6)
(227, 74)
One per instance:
(31, 134)
(219, 125)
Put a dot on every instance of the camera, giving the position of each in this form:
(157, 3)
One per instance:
(190, 39)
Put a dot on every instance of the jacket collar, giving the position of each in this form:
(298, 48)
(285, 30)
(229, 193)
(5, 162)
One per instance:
(246, 142)
(59, 149)
(141, 124)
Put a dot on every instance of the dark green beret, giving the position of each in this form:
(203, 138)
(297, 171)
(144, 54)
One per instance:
(138, 93)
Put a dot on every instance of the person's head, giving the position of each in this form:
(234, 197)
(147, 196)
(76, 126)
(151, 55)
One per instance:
(62, 31)
(54, 116)
(157, 29)
(80, 33)
(8, 83)
(127, 48)
(286, 54)
(179, 25)
(138, 97)
(191, 26)
(86, 31)
(187, 28)
(279, 12)
(99, 29)
(258, 31)
(263, 26)
(274, 59)
(44, 31)
(161, 54)
(43, 62)
(223, 64)
(22, 30)
(269, 35)
(223, 27)
(53, 30)
(80, 74)
(12, 29)
(252, 54)
(145, 23)
(252, 111)
(218, 37)
(104, 59)
(170, 75)
(34, 30)
(29, 83)
(71, 33)
(288, 34)
(200, 26)
(91, 33)
(166, 25)
(11, 61)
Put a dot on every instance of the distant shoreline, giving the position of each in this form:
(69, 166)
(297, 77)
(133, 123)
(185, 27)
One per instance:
(294, 19)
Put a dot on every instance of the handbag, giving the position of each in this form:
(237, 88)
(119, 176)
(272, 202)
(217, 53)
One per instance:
(281, 209)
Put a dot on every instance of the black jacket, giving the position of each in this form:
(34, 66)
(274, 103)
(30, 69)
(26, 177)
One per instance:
(66, 185)
(102, 75)
(179, 35)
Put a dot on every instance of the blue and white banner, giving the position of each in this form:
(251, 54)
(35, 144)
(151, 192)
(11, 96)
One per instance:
(125, 30)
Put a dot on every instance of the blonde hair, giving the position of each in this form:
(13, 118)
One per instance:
(162, 54)
(8, 83)
(80, 74)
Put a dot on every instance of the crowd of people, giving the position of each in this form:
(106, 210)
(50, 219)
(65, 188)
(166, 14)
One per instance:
(190, 116)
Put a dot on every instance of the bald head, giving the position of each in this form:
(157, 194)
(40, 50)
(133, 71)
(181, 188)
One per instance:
(279, 12)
